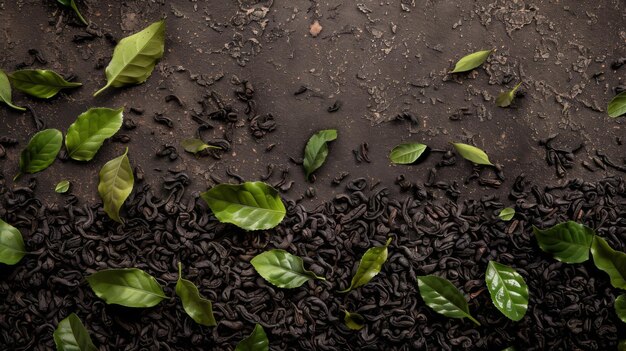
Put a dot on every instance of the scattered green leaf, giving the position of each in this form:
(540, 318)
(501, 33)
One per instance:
(130, 287)
(135, 56)
(370, 265)
(71, 335)
(194, 145)
(443, 297)
(72, 4)
(282, 269)
(507, 214)
(86, 135)
(508, 290)
(617, 106)
(610, 261)
(353, 320)
(316, 150)
(407, 153)
(11, 244)
(41, 151)
(40, 83)
(472, 154)
(116, 184)
(257, 341)
(251, 205)
(5, 91)
(506, 97)
(568, 242)
(197, 307)
(471, 61)
(620, 307)
(62, 186)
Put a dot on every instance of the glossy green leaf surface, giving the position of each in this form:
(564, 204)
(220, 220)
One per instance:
(86, 135)
(251, 205)
(282, 269)
(194, 145)
(508, 290)
(316, 150)
(257, 341)
(507, 214)
(620, 307)
(62, 186)
(41, 151)
(130, 287)
(11, 244)
(5, 91)
(71, 335)
(472, 154)
(406, 153)
(40, 83)
(197, 307)
(617, 106)
(72, 4)
(568, 242)
(135, 56)
(443, 297)
(116, 184)
(370, 265)
(471, 61)
(610, 261)
(506, 97)
(353, 320)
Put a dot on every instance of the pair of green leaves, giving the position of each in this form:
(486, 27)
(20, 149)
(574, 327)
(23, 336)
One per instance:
(370, 265)
(71, 335)
(282, 269)
(116, 184)
(40, 83)
(72, 4)
(443, 297)
(471, 61)
(251, 205)
(5, 92)
(11, 244)
(617, 106)
(506, 97)
(316, 150)
(408, 153)
(257, 341)
(472, 154)
(194, 145)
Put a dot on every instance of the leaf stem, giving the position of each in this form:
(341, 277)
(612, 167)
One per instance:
(473, 319)
(101, 90)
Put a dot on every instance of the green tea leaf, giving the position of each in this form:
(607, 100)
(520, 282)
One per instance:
(617, 106)
(116, 183)
(62, 186)
(370, 265)
(353, 320)
(130, 287)
(506, 98)
(472, 154)
(197, 307)
(443, 297)
(251, 205)
(135, 56)
(620, 307)
(5, 91)
(72, 5)
(406, 153)
(507, 214)
(508, 290)
(11, 244)
(610, 261)
(194, 145)
(471, 61)
(568, 242)
(622, 345)
(40, 83)
(510, 348)
(316, 150)
(71, 335)
(86, 135)
(257, 341)
(282, 269)
(41, 151)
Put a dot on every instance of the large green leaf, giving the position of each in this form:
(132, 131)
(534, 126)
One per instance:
(251, 205)
(620, 307)
(71, 335)
(508, 290)
(353, 320)
(471, 61)
(135, 56)
(282, 269)
(40, 83)
(506, 97)
(472, 154)
(197, 307)
(116, 184)
(86, 135)
(617, 106)
(5, 91)
(568, 242)
(72, 5)
(611, 261)
(370, 265)
(257, 341)
(41, 151)
(11, 244)
(130, 287)
(404, 154)
(443, 297)
(316, 150)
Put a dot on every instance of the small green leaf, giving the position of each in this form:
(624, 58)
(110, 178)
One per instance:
(116, 184)
(282, 269)
(194, 145)
(622, 345)
(257, 341)
(251, 205)
(11, 244)
(443, 297)
(508, 290)
(62, 186)
(86, 135)
(407, 153)
(135, 56)
(510, 348)
(197, 307)
(471, 61)
(568, 242)
(130, 287)
(353, 320)
(472, 154)
(40, 83)
(71, 335)
(610, 261)
(506, 98)
(316, 150)
(620, 307)
(41, 151)
(507, 214)
(5, 91)
(72, 5)
(370, 265)
(617, 106)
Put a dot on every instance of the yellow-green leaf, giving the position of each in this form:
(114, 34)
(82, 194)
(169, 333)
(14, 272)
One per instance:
(11, 244)
(506, 97)
(130, 287)
(71, 335)
(353, 320)
(472, 154)
(62, 186)
(610, 261)
(194, 145)
(471, 61)
(41, 151)
(404, 154)
(370, 265)
(282, 269)
(197, 307)
(5, 91)
(116, 184)
(617, 106)
(40, 83)
(257, 341)
(507, 214)
(316, 150)
(86, 135)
